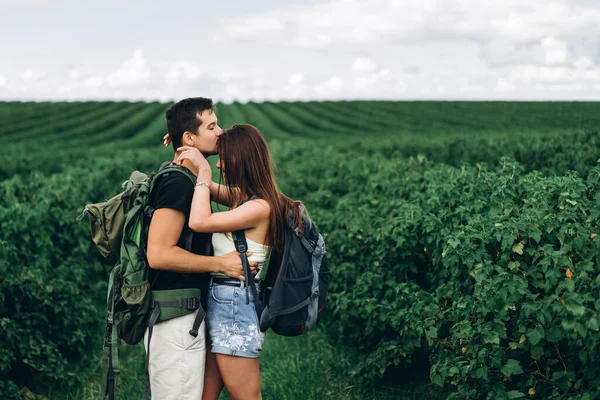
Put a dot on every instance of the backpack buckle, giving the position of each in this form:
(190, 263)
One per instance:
(140, 256)
(149, 210)
(191, 303)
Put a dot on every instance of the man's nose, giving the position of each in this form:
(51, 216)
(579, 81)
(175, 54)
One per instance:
(219, 131)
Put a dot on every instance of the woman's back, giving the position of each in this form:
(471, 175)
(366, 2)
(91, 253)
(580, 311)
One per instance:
(223, 244)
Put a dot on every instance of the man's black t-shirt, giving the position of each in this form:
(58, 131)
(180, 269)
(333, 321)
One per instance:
(175, 190)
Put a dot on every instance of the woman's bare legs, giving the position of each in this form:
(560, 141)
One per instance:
(241, 376)
(213, 382)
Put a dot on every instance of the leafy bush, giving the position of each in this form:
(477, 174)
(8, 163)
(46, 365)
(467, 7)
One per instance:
(53, 280)
(492, 272)
(487, 273)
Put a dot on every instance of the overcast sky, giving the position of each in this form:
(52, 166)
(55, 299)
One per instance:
(299, 49)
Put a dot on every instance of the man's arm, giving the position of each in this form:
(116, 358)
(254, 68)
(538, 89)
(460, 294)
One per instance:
(163, 253)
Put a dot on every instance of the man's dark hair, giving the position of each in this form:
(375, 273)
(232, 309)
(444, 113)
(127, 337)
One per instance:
(185, 116)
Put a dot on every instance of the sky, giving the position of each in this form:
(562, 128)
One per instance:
(289, 50)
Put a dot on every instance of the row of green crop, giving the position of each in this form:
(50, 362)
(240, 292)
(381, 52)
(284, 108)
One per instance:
(434, 119)
(85, 141)
(451, 133)
(22, 122)
(488, 272)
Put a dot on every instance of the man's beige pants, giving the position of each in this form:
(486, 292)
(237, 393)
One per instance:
(177, 359)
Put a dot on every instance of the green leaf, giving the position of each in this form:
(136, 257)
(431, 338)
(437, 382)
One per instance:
(437, 379)
(593, 324)
(574, 304)
(537, 353)
(535, 335)
(512, 367)
(491, 337)
(518, 248)
(515, 394)
(567, 284)
(454, 243)
(568, 323)
(431, 333)
(535, 234)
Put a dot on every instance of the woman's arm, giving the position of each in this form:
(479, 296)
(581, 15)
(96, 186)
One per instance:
(246, 216)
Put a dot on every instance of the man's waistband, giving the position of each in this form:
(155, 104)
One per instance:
(228, 281)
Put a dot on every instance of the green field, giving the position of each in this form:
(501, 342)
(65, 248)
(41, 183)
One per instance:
(462, 241)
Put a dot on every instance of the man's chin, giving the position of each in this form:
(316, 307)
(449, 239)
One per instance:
(209, 153)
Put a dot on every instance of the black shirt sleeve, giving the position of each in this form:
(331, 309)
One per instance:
(174, 191)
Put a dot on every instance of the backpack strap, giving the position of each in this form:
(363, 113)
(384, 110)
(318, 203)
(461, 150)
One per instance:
(250, 198)
(110, 357)
(182, 301)
(242, 237)
(167, 167)
(241, 245)
(151, 322)
(175, 167)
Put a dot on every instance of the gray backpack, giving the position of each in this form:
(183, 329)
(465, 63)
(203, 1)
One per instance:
(294, 292)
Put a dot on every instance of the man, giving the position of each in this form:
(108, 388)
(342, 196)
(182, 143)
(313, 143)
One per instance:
(176, 360)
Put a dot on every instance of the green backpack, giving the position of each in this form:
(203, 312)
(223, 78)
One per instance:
(119, 227)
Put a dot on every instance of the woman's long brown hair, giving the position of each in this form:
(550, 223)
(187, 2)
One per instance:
(246, 165)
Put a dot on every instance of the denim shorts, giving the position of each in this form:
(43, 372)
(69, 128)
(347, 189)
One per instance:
(232, 324)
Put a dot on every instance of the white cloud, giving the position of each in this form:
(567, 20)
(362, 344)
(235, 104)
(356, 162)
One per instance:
(555, 50)
(500, 52)
(74, 73)
(94, 82)
(583, 63)
(472, 47)
(503, 85)
(32, 75)
(3, 82)
(330, 88)
(296, 79)
(382, 83)
(363, 64)
(182, 72)
(359, 22)
(228, 76)
(134, 71)
(465, 85)
(311, 40)
(556, 75)
(257, 26)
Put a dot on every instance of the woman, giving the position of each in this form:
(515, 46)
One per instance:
(234, 338)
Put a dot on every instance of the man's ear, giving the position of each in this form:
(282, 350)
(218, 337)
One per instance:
(187, 138)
